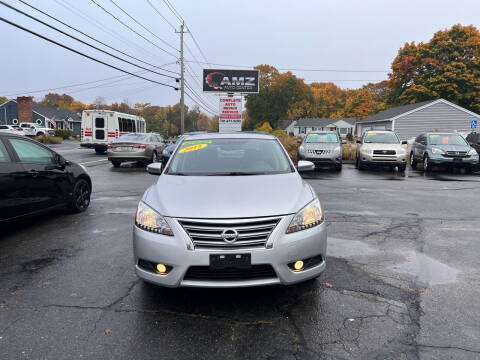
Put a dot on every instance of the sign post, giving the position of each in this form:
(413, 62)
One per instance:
(230, 118)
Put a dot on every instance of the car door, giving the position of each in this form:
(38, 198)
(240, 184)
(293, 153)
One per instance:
(14, 200)
(47, 181)
(420, 147)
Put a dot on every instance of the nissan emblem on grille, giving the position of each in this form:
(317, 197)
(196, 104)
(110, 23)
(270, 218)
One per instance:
(229, 235)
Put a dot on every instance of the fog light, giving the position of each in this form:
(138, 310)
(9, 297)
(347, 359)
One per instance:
(298, 265)
(162, 269)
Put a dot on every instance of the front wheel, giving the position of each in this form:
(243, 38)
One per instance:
(427, 167)
(401, 168)
(154, 157)
(116, 163)
(99, 151)
(359, 165)
(413, 162)
(470, 170)
(80, 196)
(338, 167)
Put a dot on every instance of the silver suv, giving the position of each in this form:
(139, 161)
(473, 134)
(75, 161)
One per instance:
(322, 148)
(381, 148)
(229, 210)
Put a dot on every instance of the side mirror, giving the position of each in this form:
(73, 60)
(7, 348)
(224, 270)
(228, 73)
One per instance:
(304, 165)
(359, 141)
(299, 141)
(404, 142)
(155, 168)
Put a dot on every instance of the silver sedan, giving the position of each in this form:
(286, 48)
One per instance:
(230, 210)
(140, 147)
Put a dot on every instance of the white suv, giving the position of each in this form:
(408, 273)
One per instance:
(11, 129)
(34, 129)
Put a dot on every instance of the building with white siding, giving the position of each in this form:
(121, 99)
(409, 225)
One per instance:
(343, 126)
(410, 120)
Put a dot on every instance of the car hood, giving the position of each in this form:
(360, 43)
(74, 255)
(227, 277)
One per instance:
(380, 146)
(320, 146)
(229, 196)
(452, 147)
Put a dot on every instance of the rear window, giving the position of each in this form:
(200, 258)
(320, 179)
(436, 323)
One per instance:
(446, 139)
(99, 122)
(131, 137)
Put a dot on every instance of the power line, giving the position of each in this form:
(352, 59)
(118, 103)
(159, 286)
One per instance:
(213, 113)
(293, 69)
(128, 27)
(88, 18)
(79, 31)
(161, 15)
(328, 80)
(199, 98)
(174, 11)
(82, 54)
(131, 17)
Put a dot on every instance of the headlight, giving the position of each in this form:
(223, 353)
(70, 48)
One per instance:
(337, 150)
(472, 152)
(402, 151)
(310, 216)
(149, 220)
(437, 151)
(165, 152)
(367, 151)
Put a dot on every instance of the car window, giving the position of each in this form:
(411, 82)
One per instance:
(446, 139)
(100, 122)
(4, 157)
(321, 138)
(232, 157)
(28, 152)
(131, 137)
(384, 138)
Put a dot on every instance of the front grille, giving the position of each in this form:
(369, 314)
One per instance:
(207, 234)
(255, 272)
(384, 152)
(323, 152)
(456, 153)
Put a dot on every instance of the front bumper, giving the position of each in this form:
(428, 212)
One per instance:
(439, 160)
(174, 251)
(334, 159)
(383, 160)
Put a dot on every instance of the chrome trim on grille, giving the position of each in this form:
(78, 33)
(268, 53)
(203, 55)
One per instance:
(207, 233)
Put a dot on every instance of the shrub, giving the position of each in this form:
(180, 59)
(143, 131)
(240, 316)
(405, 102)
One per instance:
(349, 151)
(349, 137)
(45, 139)
(63, 133)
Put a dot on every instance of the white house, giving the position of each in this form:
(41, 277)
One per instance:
(343, 126)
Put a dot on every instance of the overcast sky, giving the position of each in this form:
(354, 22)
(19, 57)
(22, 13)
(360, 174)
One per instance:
(333, 35)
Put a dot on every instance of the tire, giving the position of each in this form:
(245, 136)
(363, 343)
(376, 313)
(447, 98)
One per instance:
(116, 164)
(80, 196)
(413, 162)
(99, 151)
(39, 133)
(427, 166)
(359, 164)
(402, 168)
(470, 169)
(154, 157)
(338, 167)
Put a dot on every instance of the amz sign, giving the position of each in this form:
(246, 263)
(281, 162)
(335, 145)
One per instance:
(230, 81)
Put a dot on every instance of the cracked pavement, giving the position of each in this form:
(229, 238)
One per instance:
(402, 281)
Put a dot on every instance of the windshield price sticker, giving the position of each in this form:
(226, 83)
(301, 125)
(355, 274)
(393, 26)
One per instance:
(192, 148)
(372, 134)
(434, 135)
(196, 142)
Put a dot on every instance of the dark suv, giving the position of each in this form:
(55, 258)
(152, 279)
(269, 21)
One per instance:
(443, 149)
(474, 140)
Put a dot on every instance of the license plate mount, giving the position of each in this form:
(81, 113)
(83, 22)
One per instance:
(230, 261)
(457, 159)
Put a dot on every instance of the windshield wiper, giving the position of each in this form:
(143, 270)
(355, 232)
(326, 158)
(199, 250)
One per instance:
(236, 173)
(177, 173)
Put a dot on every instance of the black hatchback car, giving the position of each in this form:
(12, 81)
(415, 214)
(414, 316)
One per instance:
(35, 179)
(474, 140)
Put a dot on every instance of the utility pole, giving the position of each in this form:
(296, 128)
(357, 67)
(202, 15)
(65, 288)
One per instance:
(182, 81)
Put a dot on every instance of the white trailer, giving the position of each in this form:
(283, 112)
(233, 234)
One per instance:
(101, 127)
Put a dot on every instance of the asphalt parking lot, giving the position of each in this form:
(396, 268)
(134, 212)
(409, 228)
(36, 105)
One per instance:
(402, 279)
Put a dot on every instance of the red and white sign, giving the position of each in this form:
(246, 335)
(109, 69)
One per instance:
(230, 118)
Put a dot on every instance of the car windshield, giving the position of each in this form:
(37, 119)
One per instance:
(321, 138)
(446, 139)
(131, 137)
(383, 138)
(229, 157)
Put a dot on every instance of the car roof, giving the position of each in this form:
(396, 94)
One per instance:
(322, 132)
(442, 133)
(381, 131)
(231, 135)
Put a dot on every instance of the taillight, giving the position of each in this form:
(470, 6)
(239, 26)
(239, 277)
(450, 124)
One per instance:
(143, 146)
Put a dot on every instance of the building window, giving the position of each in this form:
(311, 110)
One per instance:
(343, 131)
